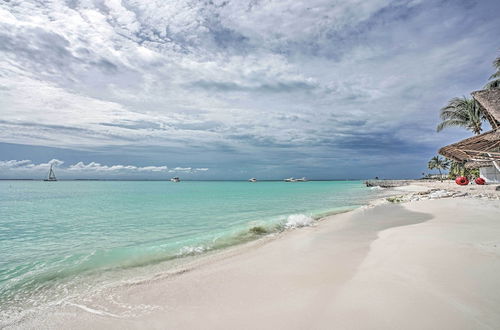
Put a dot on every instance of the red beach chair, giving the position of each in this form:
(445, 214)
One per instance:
(462, 181)
(480, 181)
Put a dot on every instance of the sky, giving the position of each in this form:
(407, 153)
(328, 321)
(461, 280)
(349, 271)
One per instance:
(224, 89)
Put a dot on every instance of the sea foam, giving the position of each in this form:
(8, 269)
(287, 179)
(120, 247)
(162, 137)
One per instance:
(191, 250)
(298, 220)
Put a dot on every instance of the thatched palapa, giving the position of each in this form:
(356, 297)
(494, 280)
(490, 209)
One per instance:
(478, 164)
(485, 147)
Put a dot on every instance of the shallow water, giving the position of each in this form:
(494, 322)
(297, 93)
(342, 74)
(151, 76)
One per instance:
(56, 234)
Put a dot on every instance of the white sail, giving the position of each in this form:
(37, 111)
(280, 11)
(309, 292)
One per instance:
(52, 175)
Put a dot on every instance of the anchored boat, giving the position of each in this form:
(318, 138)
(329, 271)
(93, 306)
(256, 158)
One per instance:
(52, 175)
(296, 180)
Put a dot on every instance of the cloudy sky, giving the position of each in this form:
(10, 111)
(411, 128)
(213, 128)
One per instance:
(235, 89)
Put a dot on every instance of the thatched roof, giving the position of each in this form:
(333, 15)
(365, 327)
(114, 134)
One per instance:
(483, 147)
(489, 99)
(480, 150)
(477, 164)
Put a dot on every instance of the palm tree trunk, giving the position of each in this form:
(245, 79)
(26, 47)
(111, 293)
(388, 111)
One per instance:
(440, 175)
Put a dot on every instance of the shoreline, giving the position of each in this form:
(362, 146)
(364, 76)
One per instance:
(241, 239)
(103, 313)
(182, 263)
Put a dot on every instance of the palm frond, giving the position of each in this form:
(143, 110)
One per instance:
(450, 123)
(438, 162)
(495, 75)
(496, 63)
(493, 84)
(462, 112)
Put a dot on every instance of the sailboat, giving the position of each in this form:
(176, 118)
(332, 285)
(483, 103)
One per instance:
(51, 176)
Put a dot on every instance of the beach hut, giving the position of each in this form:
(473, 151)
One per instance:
(481, 151)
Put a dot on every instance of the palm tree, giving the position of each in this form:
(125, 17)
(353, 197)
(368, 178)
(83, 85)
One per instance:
(456, 169)
(462, 112)
(495, 78)
(438, 163)
(459, 169)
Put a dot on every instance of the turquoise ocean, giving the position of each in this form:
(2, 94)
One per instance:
(58, 238)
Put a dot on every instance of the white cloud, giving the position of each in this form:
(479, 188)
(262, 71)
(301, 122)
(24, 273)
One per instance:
(14, 163)
(55, 162)
(117, 63)
(280, 22)
(181, 169)
(247, 77)
(27, 166)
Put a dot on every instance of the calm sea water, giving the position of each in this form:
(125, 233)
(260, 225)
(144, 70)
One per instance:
(56, 234)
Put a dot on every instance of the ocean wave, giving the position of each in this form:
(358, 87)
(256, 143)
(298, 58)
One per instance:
(192, 250)
(298, 220)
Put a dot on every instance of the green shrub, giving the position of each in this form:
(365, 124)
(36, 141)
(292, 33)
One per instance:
(395, 199)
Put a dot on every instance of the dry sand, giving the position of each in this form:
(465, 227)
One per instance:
(450, 185)
(423, 265)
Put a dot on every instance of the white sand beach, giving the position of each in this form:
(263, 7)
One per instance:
(249, 165)
(430, 264)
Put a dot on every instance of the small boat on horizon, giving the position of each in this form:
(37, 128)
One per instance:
(303, 179)
(252, 180)
(175, 179)
(51, 176)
